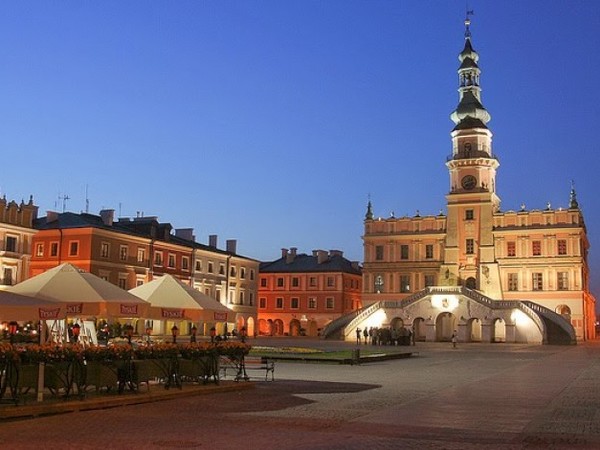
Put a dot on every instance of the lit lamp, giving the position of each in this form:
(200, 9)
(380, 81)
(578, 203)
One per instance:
(13, 328)
(76, 331)
(175, 333)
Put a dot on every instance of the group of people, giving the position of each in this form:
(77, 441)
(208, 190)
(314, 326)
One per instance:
(385, 336)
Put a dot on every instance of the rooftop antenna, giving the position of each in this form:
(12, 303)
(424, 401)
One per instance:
(87, 200)
(120, 209)
(64, 199)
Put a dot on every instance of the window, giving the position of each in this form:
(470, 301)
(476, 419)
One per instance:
(251, 274)
(470, 244)
(123, 252)
(185, 263)
(513, 281)
(404, 251)
(198, 265)
(279, 303)
(378, 252)
(123, 283)
(241, 297)
(329, 303)
(469, 214)
(171, 261)
(429, 280)
(104, 250)
(429, 251)
(378, 284)
(263, 282)
(39, 250)
(295, 303)
(404, 283)
(330, 281)
(243, 273)
(73, 248)
(312, 303)
(511, 248)
(221, 269)
(11, 244)
(211, 268)
(295, 281)
(158, 258)
(7, 280)
(54, 249)
(312, 281)
(262, 303)
(562, 281)
(280, 282)
(537, 281)
(251, 299)
(141, 255)
(232, 271)
(536, 247)
(562, 246)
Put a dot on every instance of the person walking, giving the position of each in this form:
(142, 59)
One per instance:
(454, 339)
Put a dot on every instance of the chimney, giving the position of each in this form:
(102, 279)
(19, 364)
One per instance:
(284, 252)
(51, 216)
(185, 233)
(336, 253)
(107, 216)
(231, 245)
(291, 255)
(321, 256)
(212, 240)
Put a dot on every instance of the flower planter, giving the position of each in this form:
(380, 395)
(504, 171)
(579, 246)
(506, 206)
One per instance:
(101, 374)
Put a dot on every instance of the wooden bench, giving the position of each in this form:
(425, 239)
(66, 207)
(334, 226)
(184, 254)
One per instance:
(248, 364)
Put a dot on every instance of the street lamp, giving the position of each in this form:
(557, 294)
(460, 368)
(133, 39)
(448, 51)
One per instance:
(175, 333)
(194, 330)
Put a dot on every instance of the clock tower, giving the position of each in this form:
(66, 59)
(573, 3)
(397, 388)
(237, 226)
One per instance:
(469, 256)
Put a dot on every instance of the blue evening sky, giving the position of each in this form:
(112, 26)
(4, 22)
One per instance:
(271, 121)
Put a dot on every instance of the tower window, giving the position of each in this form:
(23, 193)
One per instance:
(511, 248)
(562, 281)
(404, 251)
(536, 247)
(429, 251)
(470, 247)
(562, 246)
(537, 281)
(513, 281)
(378, 252)
(469, 215)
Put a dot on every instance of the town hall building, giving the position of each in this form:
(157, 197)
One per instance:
(481, 273)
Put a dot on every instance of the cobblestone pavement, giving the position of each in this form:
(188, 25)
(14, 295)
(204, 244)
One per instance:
(476, 396)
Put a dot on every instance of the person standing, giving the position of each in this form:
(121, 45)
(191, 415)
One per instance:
(454, 339)
(358, 336)
(366, 335)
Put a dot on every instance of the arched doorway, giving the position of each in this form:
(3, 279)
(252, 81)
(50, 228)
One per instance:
(239, 323)
(471, 283)
(564, 311)
(499, 330)
(277, 329)
(294, 327)
(474, 330)
(251, 327)
(445, 325)
(419, 329)
(397, 323)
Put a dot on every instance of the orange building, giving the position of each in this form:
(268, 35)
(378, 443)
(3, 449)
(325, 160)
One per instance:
(299, 294)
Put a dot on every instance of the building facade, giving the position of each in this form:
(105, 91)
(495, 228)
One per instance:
(130, 252)
(477, 255)
(16, 235)
(300, 294)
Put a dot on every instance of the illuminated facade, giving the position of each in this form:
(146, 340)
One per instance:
(514, 276)
(16, 235)
(299, 294)
(130, 252)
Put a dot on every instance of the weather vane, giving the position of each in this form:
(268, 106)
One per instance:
(468, 12)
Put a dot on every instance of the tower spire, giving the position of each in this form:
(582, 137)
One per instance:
(369, 214)
(573, 204)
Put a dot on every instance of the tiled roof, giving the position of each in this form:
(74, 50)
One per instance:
(307, 263)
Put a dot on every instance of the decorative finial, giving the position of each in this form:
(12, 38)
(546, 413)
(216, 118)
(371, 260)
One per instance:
(369, 214)
(573, 197)
(392, 215)
(522, 206)
(548, 206)
(469, 12)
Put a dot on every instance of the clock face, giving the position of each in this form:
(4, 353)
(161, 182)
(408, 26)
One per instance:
(468, 182)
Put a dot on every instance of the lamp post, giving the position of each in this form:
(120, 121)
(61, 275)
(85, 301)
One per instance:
(174, 333)
(194, 330)
(76, 331)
